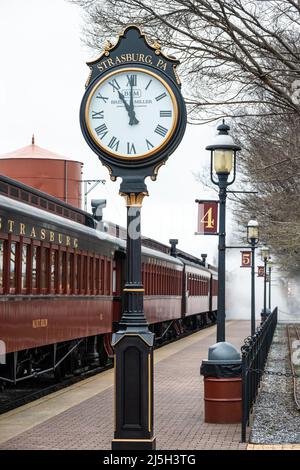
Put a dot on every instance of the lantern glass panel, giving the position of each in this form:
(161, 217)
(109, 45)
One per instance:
(223, 161)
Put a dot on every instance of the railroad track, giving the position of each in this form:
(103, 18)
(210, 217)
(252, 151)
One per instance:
(33, 389)
(293, 334)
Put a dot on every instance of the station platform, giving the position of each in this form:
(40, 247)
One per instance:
(81, 416)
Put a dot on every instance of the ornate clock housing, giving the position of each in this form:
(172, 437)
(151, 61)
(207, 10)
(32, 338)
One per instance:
(131, 113)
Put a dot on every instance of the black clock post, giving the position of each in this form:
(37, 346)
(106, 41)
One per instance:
(133, 343)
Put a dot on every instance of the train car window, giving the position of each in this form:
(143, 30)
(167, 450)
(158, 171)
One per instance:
(24, 196)
(33, 268)
(53, 269)
(60, 273)
(85, 277)
(97, 287)
(68, 273)
(34, 200)
(114, 281)
(14, 192)
(12, 267)
(166, 281)
(44, 268)
(58, 209)
(24, 267)
(91, 276)
(43, 203)
(71, 273)
(1, 263)
(108, 278)
(64, 281)
(102, 277)
(51, 206)
(78, 273)
(3, 188)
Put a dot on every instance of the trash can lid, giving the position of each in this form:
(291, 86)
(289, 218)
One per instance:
(223, 351)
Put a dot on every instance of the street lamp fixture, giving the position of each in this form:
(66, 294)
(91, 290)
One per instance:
(222, 162)
(253, 232)
(253, 238)
(265, 254)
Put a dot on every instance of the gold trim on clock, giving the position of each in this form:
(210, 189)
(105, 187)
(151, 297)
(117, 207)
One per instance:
(170, 132)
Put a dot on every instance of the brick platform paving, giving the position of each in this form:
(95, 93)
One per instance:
(179, 408)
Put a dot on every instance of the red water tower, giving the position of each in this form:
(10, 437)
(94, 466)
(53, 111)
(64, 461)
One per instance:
(44, 170)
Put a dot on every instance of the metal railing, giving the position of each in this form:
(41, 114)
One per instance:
(254, 356)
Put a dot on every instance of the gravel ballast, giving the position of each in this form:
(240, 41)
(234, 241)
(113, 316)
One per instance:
(276, 418)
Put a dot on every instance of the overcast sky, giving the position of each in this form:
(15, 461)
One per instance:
(42, 77)
(43, 72)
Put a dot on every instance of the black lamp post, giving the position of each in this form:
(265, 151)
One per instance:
(223, 159)
(270, 264)
(264, 252)
(252, 237)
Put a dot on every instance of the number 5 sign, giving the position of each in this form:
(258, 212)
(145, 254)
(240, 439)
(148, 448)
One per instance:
(207, 217)
(246, 259)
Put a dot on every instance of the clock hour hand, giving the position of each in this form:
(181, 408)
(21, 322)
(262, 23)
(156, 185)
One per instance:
(133, 120)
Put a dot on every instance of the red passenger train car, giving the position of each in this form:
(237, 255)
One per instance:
(61, 283)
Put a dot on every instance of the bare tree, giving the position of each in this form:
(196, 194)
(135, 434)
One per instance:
(270, 164)
(238, 58)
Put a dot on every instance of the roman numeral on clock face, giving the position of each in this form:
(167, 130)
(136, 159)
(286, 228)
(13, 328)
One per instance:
(101, 131)
(97, 114)
(165, 113)
(130, 148)
(148, 85)
(100, 97)
(149, 145)
(161, 130)
(114, 144)
(160, 97)
(115, 85)
(132, 80)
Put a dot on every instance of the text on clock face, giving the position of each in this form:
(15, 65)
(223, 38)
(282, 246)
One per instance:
(132, 113)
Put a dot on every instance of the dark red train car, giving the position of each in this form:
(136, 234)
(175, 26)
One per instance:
(61, 282)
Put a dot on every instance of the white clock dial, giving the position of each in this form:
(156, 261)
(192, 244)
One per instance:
(131, 113)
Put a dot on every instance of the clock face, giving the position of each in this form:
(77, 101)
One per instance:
(131, 113)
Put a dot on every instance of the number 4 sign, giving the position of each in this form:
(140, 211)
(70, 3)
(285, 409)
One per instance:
(207, 217)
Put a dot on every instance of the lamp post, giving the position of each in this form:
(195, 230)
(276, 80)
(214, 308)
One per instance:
(264, 252)
(270, 264)
(252, 238)
(223, 160)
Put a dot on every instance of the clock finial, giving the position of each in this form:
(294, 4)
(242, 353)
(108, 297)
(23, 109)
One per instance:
(32, 139)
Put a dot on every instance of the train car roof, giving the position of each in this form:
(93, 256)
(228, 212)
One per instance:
(46, 217)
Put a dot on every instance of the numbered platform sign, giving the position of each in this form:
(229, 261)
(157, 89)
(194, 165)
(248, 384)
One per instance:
(246, 259)
(260, 271)
(208, 217)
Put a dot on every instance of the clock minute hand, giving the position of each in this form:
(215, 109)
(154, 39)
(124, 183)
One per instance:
(133, 120)
(127, 107)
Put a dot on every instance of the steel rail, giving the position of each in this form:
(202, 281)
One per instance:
(294, 375)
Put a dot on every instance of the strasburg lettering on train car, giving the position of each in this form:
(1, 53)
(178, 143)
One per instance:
(38, 233)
